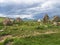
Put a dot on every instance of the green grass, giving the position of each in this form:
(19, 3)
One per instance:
(1, 43)
(25, 28)
(28, 28)
(7, 41)
(1, 19)
(49, 39)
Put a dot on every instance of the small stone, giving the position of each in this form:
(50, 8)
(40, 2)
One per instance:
(1, 30)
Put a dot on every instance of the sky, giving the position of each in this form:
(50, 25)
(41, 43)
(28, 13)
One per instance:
(31, 9)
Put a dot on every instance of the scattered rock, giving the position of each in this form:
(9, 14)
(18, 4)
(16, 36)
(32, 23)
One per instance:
(1, 30)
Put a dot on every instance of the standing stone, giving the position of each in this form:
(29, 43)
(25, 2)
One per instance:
(46, 18)
(56, 19)
(18, 19)
(7, 21)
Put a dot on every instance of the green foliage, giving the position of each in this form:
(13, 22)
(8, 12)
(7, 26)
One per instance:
(46, 39)
(1, 19)
(1, 27)
(40, 27)
(1, 43)
(28, 28)
(25, 27)
(4, 33)
(7, 41)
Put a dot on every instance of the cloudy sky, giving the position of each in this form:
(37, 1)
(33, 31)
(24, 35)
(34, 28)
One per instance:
(31, 9)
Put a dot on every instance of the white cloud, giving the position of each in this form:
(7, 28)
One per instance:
(2, 1)
(24, 16)
(43, 6)
(1, 15)
(46, 5)
(15, 16)
(22, 1)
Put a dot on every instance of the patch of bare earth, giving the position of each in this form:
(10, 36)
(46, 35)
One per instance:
(2, 38)
(38, 33)
(48, 32)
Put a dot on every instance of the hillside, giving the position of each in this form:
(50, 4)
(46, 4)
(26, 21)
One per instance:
(29, 33)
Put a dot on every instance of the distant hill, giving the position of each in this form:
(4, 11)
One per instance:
(26, 19)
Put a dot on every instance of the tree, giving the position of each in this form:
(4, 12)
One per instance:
(18, 19)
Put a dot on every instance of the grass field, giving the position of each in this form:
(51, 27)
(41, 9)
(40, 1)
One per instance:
(46, 39)
(30, 33)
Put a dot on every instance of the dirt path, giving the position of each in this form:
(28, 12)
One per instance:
(38, 33)
(2, 38)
